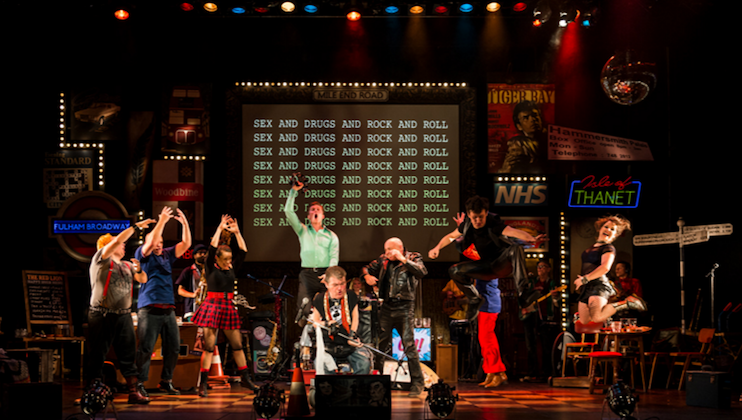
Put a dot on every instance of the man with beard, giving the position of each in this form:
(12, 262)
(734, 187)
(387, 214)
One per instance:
(189, 280)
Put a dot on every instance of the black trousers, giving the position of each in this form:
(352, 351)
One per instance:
(108, 330)
(309, 285)
(401, 315)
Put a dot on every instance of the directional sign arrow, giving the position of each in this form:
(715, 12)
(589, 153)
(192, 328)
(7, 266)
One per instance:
(714, 230)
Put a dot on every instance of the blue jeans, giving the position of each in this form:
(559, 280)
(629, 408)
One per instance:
(153, 322)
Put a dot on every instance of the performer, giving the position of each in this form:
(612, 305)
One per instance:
(156, 314)
(109, 317)
(190, 279)
(338, 310)
(320, 248)
(540, 321)
(628, 285)
(593, 285)
(218, 312)
(397, 273)
(489, 258)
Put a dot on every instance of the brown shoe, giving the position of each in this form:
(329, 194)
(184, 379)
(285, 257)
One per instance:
(488, 379)
(500, 378)
(135, 396)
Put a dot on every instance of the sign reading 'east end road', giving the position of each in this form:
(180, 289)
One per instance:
(604, 192)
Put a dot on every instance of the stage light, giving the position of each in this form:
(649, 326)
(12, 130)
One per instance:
(261, 8)
(288, 7)
(466, 8)
(519, 7)
(417, 9)
(239, 10)
(121, 14)
(96, 398)
(621, 400)
(391, 9)
(353, 15)
(440, 9)
(567, 14)
(210, 7)
(441, 400)
(493, 7)
(311, 8)
(268, 401)
(541, 13)
(187, 7)
(589, 18)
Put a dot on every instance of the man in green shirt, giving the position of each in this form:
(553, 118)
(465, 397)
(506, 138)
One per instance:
(320, 249)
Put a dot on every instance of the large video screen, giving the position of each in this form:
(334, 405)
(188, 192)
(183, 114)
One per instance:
(378, 170)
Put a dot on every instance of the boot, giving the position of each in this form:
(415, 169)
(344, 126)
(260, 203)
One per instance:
(203, 384)
(500, 378)
(245, 380)
(168, 387)
(135, 396)
(490, 377)
(632, 302)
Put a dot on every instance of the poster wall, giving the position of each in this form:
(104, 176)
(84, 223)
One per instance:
(517, 118)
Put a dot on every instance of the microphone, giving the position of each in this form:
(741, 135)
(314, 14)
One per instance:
(300, 314)
(713, 268)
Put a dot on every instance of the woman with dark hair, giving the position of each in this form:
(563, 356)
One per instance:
(593, 285)
(218, 312)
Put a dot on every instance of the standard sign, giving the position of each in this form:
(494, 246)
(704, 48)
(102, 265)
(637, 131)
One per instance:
(695, 236)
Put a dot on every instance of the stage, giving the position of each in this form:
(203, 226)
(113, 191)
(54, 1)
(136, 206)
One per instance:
(514, 401)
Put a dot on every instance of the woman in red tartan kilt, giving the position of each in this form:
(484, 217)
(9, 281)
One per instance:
(218, 312)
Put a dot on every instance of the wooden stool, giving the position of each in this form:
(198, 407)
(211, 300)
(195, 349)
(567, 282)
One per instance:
(603, 356)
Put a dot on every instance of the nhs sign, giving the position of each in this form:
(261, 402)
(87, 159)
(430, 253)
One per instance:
(521, 194)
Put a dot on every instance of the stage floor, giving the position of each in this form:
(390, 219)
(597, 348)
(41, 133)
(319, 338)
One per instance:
(515, 401)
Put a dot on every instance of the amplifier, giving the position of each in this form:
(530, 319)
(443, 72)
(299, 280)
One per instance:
(708, 389)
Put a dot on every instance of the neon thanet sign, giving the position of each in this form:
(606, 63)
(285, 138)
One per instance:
(604, 192)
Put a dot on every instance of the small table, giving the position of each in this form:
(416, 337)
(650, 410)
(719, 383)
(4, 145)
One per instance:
(612, 340)
(58, 340)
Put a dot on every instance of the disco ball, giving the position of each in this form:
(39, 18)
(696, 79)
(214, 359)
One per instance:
(626, 79)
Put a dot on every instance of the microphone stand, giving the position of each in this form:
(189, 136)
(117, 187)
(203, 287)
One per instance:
(711, 275)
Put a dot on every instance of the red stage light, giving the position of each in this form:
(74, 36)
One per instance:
(121, 14)
(353, 16)
(520, 6)
(260, 9)
(187, 7)
(537, 22)
(441, 10)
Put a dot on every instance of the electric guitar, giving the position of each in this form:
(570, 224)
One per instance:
(531, 308)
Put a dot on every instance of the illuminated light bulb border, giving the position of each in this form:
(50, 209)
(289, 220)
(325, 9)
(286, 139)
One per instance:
(65, 144)
(564, 268)
(444, 85)
(196, 158)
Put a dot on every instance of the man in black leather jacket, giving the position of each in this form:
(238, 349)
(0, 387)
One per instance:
(397, 273)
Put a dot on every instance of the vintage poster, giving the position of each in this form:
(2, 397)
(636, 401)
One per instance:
(517, 118)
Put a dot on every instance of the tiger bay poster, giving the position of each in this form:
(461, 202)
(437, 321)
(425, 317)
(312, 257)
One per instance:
(517, 119)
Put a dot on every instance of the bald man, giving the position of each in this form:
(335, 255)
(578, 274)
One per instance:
(397, 273)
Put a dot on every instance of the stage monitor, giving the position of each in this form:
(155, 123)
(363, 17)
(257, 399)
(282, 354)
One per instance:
(379, 169)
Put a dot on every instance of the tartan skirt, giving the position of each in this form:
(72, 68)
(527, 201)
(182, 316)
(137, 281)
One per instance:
(217, 313)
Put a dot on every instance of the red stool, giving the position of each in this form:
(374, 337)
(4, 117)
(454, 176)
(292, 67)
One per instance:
(603, 356)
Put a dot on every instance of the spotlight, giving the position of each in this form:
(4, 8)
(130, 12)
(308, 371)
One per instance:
(519, 7)
(187, 7)
(621, 400)
(466, 8)
(589, 18)
(96, 398)
(288, 7)
(311, 8)
(417, 9)
(121, 14)
(239, 10)
(541, 13)
(567, 14)
(391, 9)
(441, 400)
(267, 401)
(493, 7)
(440, 9)
(210, 7)
(353, 15)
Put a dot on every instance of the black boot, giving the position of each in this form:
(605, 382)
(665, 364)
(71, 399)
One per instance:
(168, 387)
(203, 385)
(135, 395)
(246, 381)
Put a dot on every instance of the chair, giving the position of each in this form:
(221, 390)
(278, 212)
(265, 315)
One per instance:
(589, 338)
(705, 337)
(612, 357)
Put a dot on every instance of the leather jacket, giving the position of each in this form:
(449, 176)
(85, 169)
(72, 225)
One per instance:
(403, 278)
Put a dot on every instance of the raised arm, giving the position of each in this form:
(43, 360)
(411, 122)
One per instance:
(222, 226)
(120, 239)
(233, 227)
(522, 234)
(288, 209)
(433, 253)
(152, 238)
(185, 241)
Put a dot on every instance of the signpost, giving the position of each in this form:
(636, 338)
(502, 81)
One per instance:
(686, 235)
